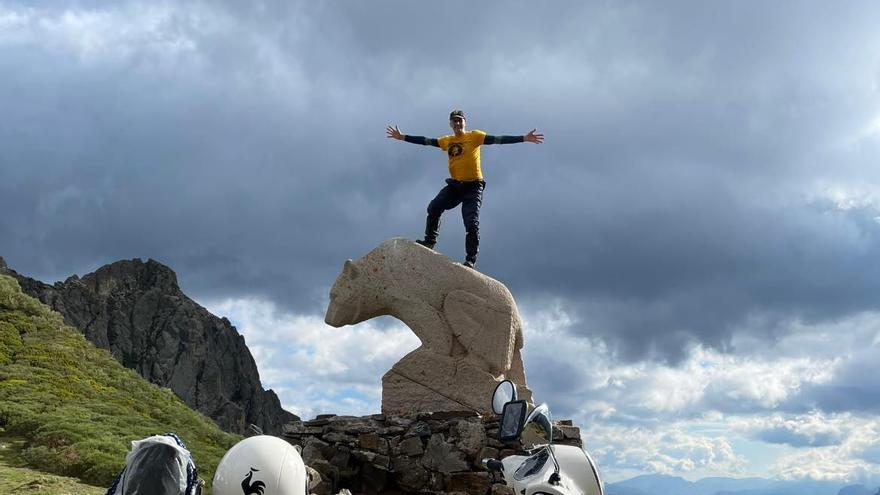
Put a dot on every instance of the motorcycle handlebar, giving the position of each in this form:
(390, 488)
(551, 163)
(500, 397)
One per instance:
(493, 465)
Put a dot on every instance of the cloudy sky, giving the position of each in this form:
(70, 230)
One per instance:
(695, 249)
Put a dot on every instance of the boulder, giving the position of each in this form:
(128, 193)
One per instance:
(469, 437)
(442, 456)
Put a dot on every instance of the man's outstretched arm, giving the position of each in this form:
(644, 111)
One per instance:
(531, 137)
(394, 133)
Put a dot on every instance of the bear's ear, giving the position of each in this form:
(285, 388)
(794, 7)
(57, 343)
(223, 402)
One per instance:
(350, 270)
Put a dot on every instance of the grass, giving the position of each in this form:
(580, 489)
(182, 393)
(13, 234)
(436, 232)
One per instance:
(75, 409)
(15, 478)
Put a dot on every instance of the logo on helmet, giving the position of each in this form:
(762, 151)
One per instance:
(255, 488)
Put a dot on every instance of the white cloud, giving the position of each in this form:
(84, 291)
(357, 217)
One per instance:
(871, 130)
(814, 429)
(94, 35)
(631, 414)
(828, 463)
(706, 380)
(850, 196)
(666, 449)
(168, 39)
(744, 383)
(314, 367)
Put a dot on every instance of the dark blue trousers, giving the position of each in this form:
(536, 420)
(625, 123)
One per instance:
(470, 196)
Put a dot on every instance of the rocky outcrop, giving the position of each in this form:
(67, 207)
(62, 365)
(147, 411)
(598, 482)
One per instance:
(137, 311)
(468, 324)
(435, 453)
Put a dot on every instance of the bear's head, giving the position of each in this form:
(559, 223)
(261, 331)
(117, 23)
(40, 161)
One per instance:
(352, 298)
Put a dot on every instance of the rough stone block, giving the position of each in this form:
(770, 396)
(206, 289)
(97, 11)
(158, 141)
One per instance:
(492, 438)
(341, 458)
(336, 437)
(410, 474)
(364, 455)
(568, 431)
(469, 482)
(369, 441)
(442, 456)
(382, 462)
(317, 422)
(419, 429)
(300, 429)
(329, 477)
(469, 437)
(372, 480)
(398, 421)
(391, 430)
(411, 446)
(314, 449)
(383, 447)
(502, 490)
(446, 415)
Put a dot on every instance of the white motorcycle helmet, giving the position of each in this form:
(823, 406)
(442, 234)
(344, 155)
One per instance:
(261, 465)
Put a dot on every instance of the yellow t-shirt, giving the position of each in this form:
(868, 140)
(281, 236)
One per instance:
(464, 154)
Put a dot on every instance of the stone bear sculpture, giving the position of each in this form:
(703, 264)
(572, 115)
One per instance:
(468, 324)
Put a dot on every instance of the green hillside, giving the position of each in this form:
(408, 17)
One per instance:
(14, 479)
(70, 409)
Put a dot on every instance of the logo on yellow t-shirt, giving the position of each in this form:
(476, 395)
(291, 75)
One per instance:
(455, 149)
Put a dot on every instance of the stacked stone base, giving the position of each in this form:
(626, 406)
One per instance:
(435, 453)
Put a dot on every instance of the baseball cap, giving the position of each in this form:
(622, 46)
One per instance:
(456, 113)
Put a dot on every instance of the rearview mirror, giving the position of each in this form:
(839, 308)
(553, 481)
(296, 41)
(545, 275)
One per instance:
(512, 419)
(504, 393)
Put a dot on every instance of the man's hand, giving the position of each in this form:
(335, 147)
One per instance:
(532, 137)
(394, 132)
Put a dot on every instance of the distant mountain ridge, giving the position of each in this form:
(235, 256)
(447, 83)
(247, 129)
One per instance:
(137, 311)
(657, 484)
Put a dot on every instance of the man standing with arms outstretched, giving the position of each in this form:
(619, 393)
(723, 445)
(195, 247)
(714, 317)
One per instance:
(465, 185)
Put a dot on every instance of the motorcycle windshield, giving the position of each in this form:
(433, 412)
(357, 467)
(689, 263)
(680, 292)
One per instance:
(532, 465)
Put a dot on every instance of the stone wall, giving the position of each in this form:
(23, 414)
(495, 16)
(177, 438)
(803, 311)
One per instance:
(436, 453)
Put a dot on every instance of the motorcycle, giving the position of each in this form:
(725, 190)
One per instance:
(547, 469)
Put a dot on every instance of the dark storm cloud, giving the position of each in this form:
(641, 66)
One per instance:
(850, 389)
(784, 435)
(674, 198)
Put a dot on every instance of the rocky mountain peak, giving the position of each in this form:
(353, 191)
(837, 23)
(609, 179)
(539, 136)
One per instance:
(136, 310)
(132, 275)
